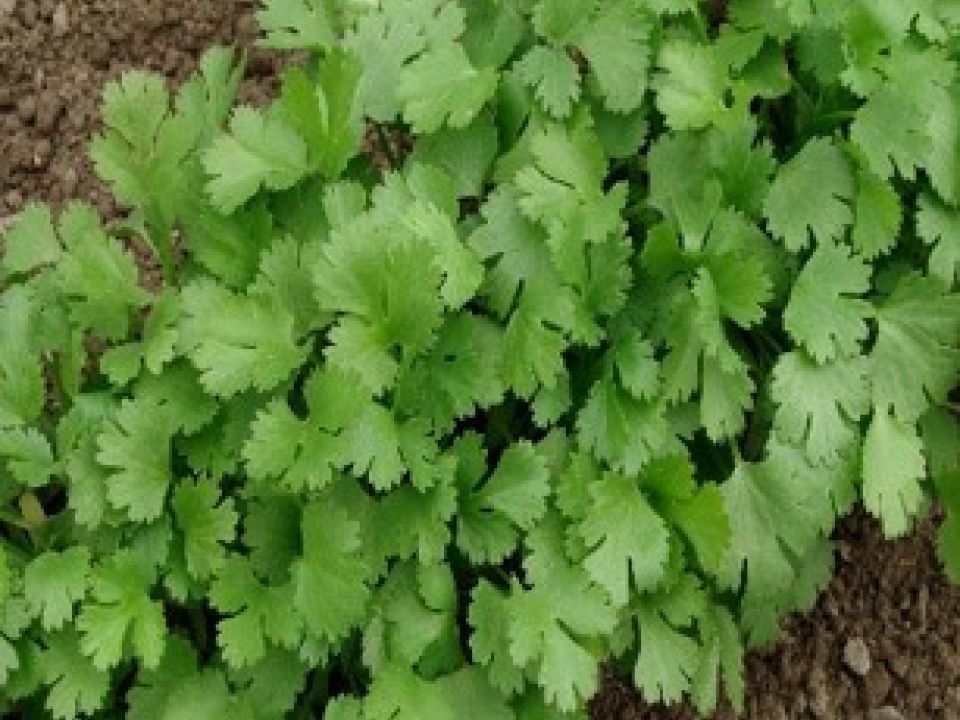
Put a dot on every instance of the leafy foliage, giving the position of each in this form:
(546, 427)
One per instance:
(586, 366)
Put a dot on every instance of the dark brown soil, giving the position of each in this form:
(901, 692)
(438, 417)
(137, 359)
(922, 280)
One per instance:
(888, 614)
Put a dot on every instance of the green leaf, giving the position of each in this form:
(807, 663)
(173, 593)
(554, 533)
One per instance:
(465, 154)
(915, 358)
(155, 348)
(324, 111)
(820, 406)
(669, 651)
(948, 535)
(237, 342)
(886, 132)
(553, 76)
(777, 509)
(135, 446)
(460, 373)
(443, 87)
(331, 593)
(22, 389)
(26, 453)
(939, 226)
(489, 616)
(261, 150)
(617, 46)
(143, 149)
(512, 498)
(77, 687)
(53, 582)
(631, 554)
(811, 195)
(148, 699)
(282, 447)
(97, 276)
(30, 240)
(398, 693)
(893, 467)
(257, 614)
(122, 613)
(551, 622)
(878, 216)
(826, 313)
(690, 85)
(207, 524)
(388, 37)
(296, 25)
(619, 429)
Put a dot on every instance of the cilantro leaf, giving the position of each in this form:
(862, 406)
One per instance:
(513, 497)
(616, 44)
(77, 686)
(122, 613)
(30, 240)
(551, 620)
(237, 342)
(939, 226)
(206, 525)
(324, 111)
(330, 590)
(388, 37)
(554, 77)
(489, 617)
(630, 555)
(282, 447)
(256, 613)
(261, 150)
(690, 85)
(620, 429)
(26, 453)
(778, 507)
(400, 694)
(443, 87)
(296, 24)
(948, 536)
(151, 694)
(825, 313)
(819, 406)
(155, 349)
(878, 216)
(54, 582)
(811, 194)
(914, 359)
(135, 446)
(893, 466)
(143, 149)
(22, 390)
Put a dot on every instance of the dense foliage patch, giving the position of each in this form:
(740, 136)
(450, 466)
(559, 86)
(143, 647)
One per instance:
(514, 335)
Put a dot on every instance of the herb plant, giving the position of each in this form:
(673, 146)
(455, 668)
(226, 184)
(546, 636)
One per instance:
(514, 335)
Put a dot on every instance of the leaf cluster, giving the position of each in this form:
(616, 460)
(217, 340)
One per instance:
(591, 371)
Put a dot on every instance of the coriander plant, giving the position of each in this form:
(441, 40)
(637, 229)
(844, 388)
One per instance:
(512, 336)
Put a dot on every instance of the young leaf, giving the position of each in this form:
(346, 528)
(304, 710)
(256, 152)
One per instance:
(261, 150)
(811, 195)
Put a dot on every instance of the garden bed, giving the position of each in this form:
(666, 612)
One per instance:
(884, 640)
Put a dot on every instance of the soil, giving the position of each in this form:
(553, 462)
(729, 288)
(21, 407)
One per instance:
(883, 642)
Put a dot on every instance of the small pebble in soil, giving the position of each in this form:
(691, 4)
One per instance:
(856, 656)
(888, 712)
(60, 20)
